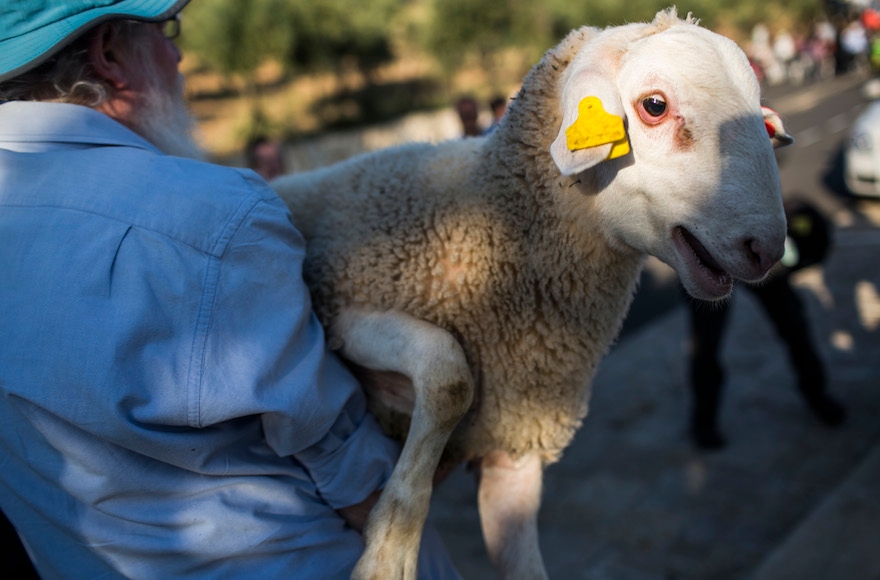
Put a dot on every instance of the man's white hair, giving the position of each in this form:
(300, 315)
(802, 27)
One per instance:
(162, 117)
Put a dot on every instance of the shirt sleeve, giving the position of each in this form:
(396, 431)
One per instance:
(264, 354)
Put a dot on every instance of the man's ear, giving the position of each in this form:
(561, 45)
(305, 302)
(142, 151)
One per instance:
(106, 57)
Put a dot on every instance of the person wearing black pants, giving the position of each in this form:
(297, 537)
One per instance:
(786, 311)
(809, 239)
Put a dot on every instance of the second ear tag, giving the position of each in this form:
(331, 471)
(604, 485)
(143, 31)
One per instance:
(594, 127)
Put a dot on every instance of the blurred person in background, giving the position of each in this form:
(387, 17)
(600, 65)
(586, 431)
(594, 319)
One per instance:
(808, 242)
(266, 157)
(168, 407)
(785, 51)
(468, 114)
(853, 48)
(498, 106)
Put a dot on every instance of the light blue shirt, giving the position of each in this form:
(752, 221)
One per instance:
(167, 405)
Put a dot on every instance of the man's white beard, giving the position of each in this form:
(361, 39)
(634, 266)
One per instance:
(165, 121)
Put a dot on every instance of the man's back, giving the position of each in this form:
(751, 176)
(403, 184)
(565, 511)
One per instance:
(131, 350)
(168, 407)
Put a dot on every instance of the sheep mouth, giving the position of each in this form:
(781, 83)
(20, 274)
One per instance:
(708, 275)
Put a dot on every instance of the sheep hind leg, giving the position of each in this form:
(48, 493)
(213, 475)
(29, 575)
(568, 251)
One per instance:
(443, 388)
(509, 499)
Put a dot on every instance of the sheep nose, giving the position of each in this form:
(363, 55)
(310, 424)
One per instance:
(762, 255)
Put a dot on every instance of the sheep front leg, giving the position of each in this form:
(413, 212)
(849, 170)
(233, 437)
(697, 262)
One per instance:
(443, 387)
(509, 498)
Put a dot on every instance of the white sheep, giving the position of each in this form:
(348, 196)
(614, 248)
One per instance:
(494, 273)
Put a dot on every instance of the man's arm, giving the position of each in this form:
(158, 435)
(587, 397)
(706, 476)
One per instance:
(264, 354)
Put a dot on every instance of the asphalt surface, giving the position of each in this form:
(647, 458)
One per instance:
(788, 498)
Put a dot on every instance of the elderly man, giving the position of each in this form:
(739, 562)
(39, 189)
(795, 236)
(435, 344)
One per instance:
(167, 405)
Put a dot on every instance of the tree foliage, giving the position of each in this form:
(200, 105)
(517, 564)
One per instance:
(461, 27)
(502, 38)
(235, 36)
(328, 33)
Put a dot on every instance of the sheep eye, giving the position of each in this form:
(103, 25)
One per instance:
(654, 106)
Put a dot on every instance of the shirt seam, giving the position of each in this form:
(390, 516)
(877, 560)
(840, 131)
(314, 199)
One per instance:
(73, 140)
(205, 314)
(237, 218)
(200, 338)
(216, 249)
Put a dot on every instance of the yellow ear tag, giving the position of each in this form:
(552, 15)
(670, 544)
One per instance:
(594, 127)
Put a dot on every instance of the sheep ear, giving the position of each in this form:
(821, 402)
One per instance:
(775, 129)
(593, 126)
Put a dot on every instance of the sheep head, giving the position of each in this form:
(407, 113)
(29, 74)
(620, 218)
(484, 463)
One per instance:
(694, 180)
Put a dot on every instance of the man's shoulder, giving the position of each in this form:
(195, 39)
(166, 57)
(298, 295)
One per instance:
(200, 182)
(194, 202)
(91, 165)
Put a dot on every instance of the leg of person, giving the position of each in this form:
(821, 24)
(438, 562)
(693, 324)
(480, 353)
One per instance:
(786, 310)
(706, 374)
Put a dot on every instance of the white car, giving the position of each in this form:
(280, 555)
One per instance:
(861, 171)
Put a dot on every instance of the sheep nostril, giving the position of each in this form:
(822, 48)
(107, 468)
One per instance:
(753, 251)
(759, 255)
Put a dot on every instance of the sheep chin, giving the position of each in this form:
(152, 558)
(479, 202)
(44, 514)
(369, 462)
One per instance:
(702, 276)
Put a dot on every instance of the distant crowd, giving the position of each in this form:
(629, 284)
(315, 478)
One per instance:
(827, 50)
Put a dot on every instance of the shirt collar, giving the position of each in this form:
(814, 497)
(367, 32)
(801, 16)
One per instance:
(53, 125)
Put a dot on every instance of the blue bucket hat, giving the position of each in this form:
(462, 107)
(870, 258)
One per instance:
(31, 31)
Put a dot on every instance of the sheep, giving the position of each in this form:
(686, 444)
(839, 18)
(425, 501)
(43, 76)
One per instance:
(474, 285)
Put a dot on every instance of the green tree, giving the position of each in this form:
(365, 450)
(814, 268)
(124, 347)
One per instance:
(235, 37)
(460, 28)
(329, 34)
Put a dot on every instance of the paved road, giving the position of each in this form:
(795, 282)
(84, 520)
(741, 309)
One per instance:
(788, 498)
